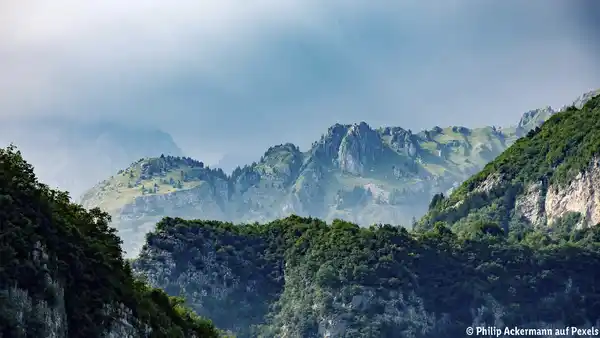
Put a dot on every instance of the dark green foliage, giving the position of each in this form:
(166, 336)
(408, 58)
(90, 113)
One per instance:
(565, 226)
(436, 200)
(254, 252)
(82, 253)
(407, 280)
(195, 170)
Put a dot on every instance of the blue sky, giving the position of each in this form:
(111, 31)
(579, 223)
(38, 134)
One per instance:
(231, 77)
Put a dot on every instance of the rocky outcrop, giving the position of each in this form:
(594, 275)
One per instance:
(530, 205)
(583, 99)
(33, 316)
(544, 206)
(47, 317)
(533, 119)
(360, 149)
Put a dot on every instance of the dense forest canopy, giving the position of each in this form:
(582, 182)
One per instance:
(381, 281)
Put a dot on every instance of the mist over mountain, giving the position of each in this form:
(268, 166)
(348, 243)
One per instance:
(72, 154)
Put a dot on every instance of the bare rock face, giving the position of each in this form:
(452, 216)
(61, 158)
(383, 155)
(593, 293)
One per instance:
(36, 316)
(583, 99)
(530, 206)
(543, 207)
(360, 148)
(580, 196)
(533, 119)
(41, 318)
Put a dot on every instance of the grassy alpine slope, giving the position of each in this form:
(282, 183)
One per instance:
(62, 273)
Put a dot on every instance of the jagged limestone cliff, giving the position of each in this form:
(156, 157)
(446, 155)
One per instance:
(62, 273)
(543, 206)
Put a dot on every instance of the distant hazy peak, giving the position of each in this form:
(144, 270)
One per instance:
(73, 155)
(535, 118)
(583, 99)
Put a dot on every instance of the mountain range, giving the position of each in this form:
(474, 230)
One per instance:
(353, 172)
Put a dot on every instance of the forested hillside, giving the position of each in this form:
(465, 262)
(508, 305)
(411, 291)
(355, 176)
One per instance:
(300, 277)
(62, 273)
(548, 179)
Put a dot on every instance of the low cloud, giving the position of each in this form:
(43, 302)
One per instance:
(232, 77)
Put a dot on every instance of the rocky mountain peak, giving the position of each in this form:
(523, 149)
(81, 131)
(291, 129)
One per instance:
(353, 172)
(325, 150)
(583, 99)
(360, 148)
(533, 119)
(351, 148)
(277, 150)
(281, 163)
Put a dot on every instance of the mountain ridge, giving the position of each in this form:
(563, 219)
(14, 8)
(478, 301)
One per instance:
(353, 172)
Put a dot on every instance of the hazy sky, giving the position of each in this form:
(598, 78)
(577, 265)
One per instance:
(235, 76)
